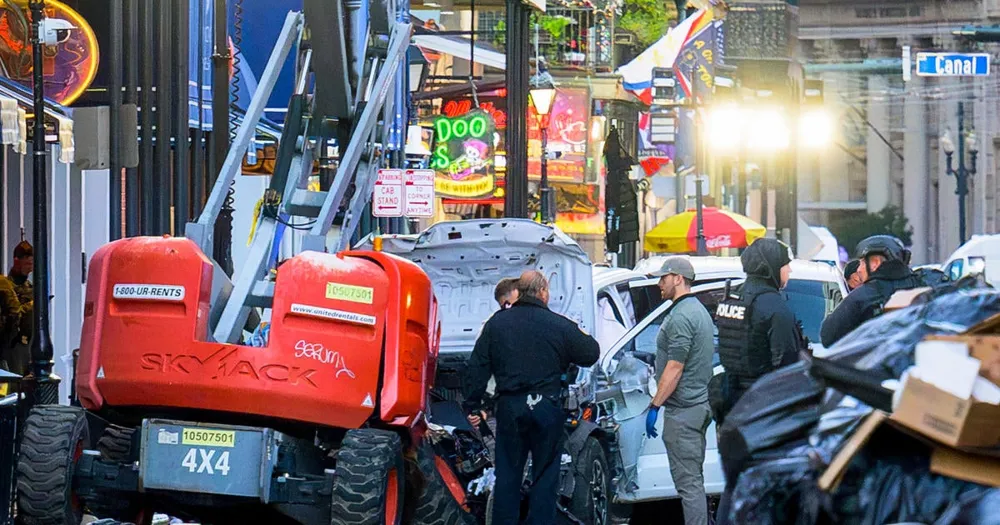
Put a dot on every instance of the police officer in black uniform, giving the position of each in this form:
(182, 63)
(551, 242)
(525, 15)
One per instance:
(758, 332)
(527, 348)
(887, 263)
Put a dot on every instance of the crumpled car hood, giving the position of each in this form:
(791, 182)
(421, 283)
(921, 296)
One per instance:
(466, 259)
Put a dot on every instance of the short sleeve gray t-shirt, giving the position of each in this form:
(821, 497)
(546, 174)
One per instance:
(686, 336)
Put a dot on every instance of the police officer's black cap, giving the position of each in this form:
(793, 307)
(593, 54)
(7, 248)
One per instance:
(851, 268)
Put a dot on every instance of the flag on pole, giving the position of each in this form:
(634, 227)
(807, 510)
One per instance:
(637, 75)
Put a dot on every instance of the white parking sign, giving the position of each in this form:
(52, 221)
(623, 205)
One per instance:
(388, 198)
(419, 189)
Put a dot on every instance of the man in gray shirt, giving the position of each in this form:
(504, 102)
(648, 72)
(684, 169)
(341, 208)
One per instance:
(684, 348)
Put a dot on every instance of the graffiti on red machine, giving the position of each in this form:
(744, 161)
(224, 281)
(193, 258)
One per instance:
(220, 365)
(318, 352)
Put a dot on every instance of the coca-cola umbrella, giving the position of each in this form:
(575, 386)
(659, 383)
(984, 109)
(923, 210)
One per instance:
(723, 229)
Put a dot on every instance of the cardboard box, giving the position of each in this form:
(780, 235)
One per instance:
(966, 466)
(946, 461)
(946, 418)
(903, 298)
(985, 348)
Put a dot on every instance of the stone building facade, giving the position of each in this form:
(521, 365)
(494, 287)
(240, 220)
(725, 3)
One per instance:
(887, 150)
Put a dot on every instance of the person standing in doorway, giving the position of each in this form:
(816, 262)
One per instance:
(684, 348)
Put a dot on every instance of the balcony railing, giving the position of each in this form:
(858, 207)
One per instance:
(576, 39)
(568, 38)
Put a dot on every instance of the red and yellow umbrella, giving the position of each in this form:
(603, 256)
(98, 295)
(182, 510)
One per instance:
(723, 229)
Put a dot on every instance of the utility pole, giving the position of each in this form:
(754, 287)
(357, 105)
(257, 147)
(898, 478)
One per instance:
(46, 388)
(517, 73)
(114, 116)
(701, 169)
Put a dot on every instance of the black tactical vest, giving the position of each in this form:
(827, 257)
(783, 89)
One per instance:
(745, 350)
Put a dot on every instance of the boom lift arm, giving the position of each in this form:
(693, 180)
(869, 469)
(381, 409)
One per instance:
(342, 89)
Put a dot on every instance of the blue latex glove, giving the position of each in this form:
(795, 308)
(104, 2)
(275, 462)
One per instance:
(651, 416)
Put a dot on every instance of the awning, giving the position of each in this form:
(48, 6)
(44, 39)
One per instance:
(16, 101)
(459, 48)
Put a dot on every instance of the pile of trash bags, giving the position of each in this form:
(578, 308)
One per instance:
(783, 434)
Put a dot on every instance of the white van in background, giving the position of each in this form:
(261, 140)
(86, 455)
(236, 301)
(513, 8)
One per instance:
(981, 255)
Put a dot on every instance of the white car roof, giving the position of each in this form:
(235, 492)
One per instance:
(715, 268)
(607, 276)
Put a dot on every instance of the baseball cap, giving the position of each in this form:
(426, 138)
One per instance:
(676, 266)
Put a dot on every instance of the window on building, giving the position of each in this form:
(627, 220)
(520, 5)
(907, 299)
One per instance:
(865, 12)
(490, 26)
(916, 10)
(892, 12)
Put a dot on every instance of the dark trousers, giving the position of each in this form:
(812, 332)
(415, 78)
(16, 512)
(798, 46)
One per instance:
(520, 430)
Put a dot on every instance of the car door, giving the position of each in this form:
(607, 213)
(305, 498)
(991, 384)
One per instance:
(627, 390)
(612, 323)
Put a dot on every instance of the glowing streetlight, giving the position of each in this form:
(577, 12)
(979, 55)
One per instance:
(725, 127)
(541, 96)
(769, 131)
(815, 129)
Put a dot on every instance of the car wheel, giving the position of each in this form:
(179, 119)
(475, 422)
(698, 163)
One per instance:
(592, 492)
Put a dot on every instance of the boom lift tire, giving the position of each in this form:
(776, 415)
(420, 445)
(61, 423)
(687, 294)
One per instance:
(437, 503)
(115, 445)
(54, 439)
(368, 481)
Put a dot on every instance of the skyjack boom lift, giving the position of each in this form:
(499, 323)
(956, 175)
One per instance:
(314, 428)
(357, 77)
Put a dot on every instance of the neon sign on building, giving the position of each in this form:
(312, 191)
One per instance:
(462, 157)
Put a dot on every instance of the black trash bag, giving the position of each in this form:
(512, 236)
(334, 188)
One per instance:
(931, 277)
(981, 509)
(886, 344)
(864, 385)
(778, 409)
(882, 349)
(778, 492)
(890, 481)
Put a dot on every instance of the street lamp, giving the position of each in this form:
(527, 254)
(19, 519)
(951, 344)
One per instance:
(815, 129)
(46, 384)
(966, 139)
(725, 128)
(541, 96)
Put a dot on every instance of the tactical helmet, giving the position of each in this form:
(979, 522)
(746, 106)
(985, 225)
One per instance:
(885, 245)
